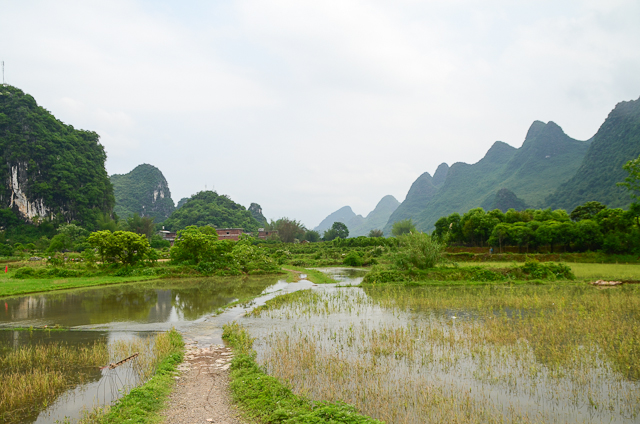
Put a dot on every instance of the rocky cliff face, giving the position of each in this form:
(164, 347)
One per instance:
(144, 191)
(50, 170)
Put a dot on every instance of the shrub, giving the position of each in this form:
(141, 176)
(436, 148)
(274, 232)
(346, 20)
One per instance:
(353, 259)
(418, 250)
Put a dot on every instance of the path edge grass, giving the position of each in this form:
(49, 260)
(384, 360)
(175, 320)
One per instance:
(263, 397)
(144, 403)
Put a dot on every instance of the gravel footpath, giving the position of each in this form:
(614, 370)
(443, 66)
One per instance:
(202, 393)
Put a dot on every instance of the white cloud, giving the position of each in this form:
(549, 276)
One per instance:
(304, 107)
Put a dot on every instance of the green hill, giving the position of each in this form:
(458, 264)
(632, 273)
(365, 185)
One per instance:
(547, 158)
(49, 169)
(420, 194)
(210, 208)
(616, 142)
(504, 200)
(144, 191)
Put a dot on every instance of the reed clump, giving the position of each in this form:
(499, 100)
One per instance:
(34, 376)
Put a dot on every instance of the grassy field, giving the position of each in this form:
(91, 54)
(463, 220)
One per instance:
(582, 271)
(563, 352)
(12, 287)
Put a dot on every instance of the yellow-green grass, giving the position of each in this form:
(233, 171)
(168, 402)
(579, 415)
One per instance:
(13, 287)
(582, 271)
(33, 376)
(466, 354)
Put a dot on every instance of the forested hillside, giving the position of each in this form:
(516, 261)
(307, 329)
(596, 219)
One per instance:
(616, 142)
(547, 158)
(49, 169)
(144, 191)
(210, 208)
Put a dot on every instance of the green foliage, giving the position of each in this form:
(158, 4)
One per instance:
(55, 163)
(70, 237)
(547, 271)
(143, 191)
(143, 225)
(403, 227)
(614, 145)
(418, 251)
(157, 242)
(289, 230)
(194, 245)
(632, 181)
(353, 259)
(375, 233)
(337, 231)
(264, 398)
(312, 236)
(120, 246)
(587, 211)
(200, 246)
(209, 208)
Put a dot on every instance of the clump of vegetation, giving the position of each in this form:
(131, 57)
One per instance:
(418, 251)
(34, 376)
(265, 398)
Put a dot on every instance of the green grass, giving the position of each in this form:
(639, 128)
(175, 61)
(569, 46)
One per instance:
(582, 271)
(266, 399)
(12, 287)
(144, 404)
(313, 275)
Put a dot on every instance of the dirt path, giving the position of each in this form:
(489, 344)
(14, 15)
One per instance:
(202, 393)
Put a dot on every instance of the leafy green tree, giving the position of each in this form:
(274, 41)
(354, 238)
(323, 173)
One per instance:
(337, 230)
(289, 230)
(586, 211)
(376, 233)
(401, 227)
(194, 245)
(69, 237)
(120, 246)
(106, 222)
(418, 250)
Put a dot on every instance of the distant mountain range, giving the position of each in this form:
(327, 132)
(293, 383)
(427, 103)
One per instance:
(550, 169)
(357, 224)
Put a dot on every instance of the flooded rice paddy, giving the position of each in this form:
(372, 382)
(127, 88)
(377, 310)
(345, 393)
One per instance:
(499, 353)
(103, 325)
(469, 354)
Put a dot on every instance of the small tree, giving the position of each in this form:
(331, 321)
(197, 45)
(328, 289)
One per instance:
(632, 182)
(194, 244)
(123, 246)
(404, 226)
(337, 230)
(376, 233)
(418, 250)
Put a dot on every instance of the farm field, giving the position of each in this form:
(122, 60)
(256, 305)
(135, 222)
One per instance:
(559, 352)
(582, 271)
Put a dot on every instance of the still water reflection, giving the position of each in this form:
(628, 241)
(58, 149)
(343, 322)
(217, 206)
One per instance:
(168, 302)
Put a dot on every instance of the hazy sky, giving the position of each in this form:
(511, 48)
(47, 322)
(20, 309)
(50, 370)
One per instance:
(307, 106)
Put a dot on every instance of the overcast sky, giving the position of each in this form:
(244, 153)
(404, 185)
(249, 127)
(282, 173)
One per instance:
(308, 106)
